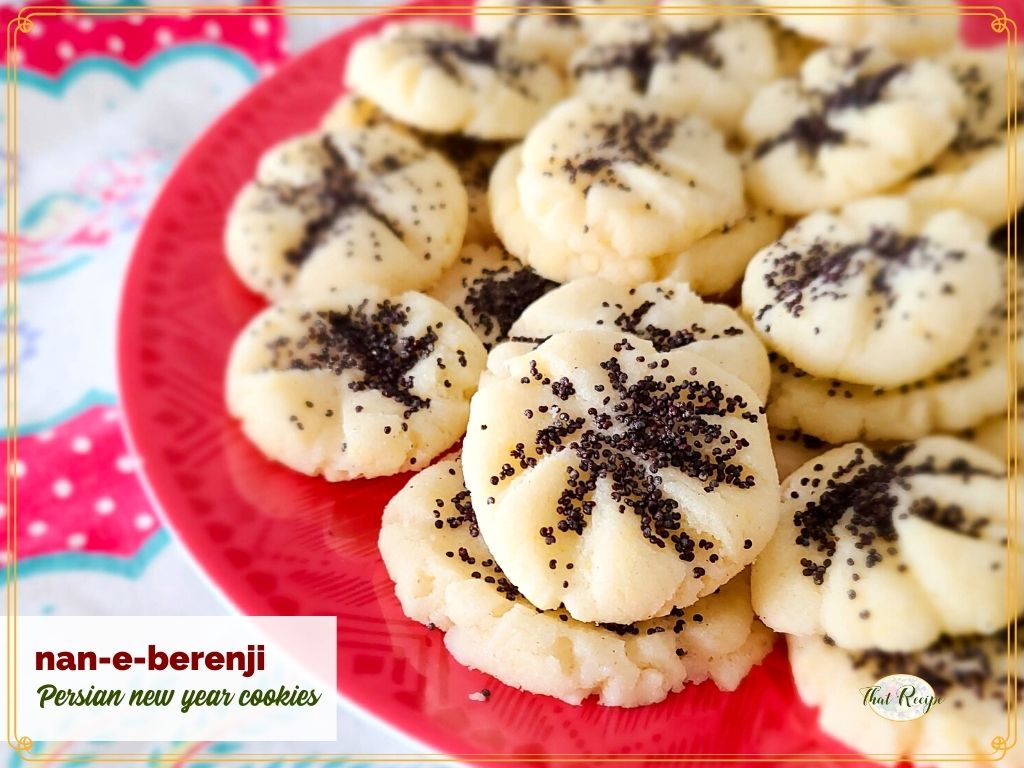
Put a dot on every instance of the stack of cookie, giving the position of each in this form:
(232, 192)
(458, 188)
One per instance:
(644, 266)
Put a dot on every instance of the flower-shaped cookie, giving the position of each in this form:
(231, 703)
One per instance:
(346, 207)
(616, 480)
(889, 548)
(855, 122)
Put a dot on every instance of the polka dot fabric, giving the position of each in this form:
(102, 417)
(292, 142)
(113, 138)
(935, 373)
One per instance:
(78, 485)
(55, 43)
(79, 490)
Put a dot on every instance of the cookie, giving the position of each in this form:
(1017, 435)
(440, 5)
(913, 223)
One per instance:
(963, 394)
(698, 66)
(668, 315)
(968, 674)
(855, 122)
(488, 288)
(617, 480)
(473, 158)
(889, 548)
(356, 385)
(972, 173)
(903, 31)
(613, 189)
(538, 32)
(446, 577)
(879, 293)
(438, 77)
(350, 206)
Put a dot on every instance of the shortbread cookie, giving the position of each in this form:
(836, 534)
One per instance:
(354, 386)
(488, 288)
(701, 66)
(903, 31)
(963, 394)
(538, 32)
(439, 77)
(972, 173)
(446, 577)
(855, 122)
(889, 548)
(668, 314)
(968, 674)
(879, 293)
(617, 480)
(474, 159)
(346, 207)
(613, 189)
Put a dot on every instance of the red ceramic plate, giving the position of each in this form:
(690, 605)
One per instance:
(276, 542)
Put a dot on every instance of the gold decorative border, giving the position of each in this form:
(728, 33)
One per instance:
(22, 23)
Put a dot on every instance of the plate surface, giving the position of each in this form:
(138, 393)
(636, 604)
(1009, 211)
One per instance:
(276, 542)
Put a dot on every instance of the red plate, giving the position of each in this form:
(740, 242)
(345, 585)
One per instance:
(276, 542)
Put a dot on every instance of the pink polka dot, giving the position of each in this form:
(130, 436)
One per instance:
(104, 506)
(76, 540)
(18, 469)
(144, 521)
(65, 50)
(37, 528)
(164, 36)
(212, 30)
(62, 488)
(260, 26)
(81, 444)
(126, 463)
(115, 44)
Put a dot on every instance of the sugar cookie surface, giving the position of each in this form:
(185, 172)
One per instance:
(699, 66)
(961, 395)
(906, 34)
(488, 288)
(889, 548)
(855, 122)
(446, 577)
(354, 386)
(613, 189)
(876, 294)
(351, 206)
(617, 480)
(474, 159)
(439, 77)
(972, 173)
(668, 315)
(968, 674)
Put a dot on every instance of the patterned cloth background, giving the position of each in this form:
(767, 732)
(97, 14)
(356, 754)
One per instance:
(106, 104)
